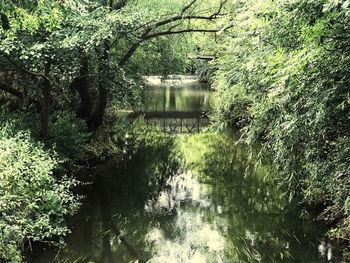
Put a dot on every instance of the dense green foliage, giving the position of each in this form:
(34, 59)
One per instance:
(33, 202)
(283, 81)
(67, 67)
(77, 54)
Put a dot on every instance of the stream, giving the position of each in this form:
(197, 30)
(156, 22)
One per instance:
(201, 198)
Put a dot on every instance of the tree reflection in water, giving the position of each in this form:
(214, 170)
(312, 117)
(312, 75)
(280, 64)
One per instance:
(217, 206)
(112, 223)
(258, 223)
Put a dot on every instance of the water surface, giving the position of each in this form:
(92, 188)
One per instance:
(184, 94)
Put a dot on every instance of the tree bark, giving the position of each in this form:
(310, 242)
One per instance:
(12, 91)
(100, 109)
(101, 104)
(82, 85)
(128, 54)
(45, 110)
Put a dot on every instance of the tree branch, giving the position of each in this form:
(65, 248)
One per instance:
(129, 54)
(11, 90)
(188, 17)
(188, 6)
(189, 30)
(18, 94)
(174, 26)
(221, 6)
(154, 21)
(24, 69)
(186, 30)
(179, 17)
(150, 27)
(133, 48)
(146, 37)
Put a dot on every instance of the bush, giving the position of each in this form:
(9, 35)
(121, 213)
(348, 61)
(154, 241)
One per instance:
(69, 135)
(33, 203)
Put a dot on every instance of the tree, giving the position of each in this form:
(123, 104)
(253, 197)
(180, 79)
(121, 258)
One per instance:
(82, 46)
(283, 82)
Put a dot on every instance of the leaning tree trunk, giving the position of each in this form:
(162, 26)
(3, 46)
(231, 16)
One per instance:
(101, 104)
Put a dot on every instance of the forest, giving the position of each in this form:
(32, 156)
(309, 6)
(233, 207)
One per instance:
(279, 77)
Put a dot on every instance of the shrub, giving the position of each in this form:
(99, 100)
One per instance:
(33, 203)
(69, 135)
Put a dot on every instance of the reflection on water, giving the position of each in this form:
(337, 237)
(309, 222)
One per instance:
(178, 95)
(195, 240)
(175, 106)
(215, 207)
(258, 224)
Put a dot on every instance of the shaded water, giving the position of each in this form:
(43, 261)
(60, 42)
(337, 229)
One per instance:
(193, 198)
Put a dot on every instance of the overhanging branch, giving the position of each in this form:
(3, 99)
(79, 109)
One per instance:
(151, 26)
(19, 94)
(190, 30)
(11, 90)
(148, 34)
(18, 66)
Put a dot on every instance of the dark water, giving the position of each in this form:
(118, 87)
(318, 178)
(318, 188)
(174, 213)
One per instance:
(193, 198)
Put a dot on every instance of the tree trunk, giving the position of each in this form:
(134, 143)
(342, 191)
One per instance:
(45, 110)
(100, 109)
(82, 85)
(99, 113)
